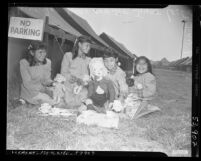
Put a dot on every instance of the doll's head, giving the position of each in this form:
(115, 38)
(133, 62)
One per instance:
(97, 69)
(59, 78)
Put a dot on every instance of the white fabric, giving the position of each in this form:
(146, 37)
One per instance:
(49, 110)
(99, 90)
(132, 101)
(132, 104)
(59, 78)
(22, 101)
(108, 120)
(117, 106)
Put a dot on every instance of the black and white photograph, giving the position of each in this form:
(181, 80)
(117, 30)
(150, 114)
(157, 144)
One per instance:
(100, 79)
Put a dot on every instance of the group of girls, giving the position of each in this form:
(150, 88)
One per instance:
(37, 85)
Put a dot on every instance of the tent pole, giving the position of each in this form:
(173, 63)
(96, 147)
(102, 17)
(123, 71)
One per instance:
(59, 45)
(183, 21)
(46, 35)
(133, 65)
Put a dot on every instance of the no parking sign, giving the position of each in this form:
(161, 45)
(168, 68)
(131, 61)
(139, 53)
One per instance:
(26, 28)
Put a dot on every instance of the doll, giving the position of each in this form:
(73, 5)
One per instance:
(101, 92)
(59, 87)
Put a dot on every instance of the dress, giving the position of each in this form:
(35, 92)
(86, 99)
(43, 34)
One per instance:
(148, 82)
(77, 67)
(141, 107)
(33, 79)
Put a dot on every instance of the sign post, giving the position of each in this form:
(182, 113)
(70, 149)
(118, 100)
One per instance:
(26, 28)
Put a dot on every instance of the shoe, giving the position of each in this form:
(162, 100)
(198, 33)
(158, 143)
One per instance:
(17, 102)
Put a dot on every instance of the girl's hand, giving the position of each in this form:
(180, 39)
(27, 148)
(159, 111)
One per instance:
(139, 86)
(86, 80)
(54, 84)
(88, 101)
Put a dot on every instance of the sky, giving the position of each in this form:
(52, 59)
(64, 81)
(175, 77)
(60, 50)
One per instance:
(154, 33)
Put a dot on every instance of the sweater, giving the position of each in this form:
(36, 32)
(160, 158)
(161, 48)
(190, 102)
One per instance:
(77, 67)
(148, 82)
(101, 91)
(33, 78)
(119, 80)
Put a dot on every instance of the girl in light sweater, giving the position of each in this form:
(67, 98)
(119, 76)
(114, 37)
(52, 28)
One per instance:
(35, 70)
(144, 83)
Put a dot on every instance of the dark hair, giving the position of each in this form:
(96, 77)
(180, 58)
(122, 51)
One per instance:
(35, 45)
(109, 54)
(149, 67)
(80, 39)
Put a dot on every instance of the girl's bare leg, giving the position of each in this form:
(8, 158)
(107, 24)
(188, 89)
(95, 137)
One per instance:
(43, 98)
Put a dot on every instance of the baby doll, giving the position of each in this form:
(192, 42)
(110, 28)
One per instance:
(101, 92)
(59, 87)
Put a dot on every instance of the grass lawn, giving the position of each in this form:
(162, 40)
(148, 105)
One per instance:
(165, 131)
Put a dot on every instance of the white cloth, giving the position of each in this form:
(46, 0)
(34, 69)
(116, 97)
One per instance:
(49, 110)
(132, 103)
(108, 120)
(59, 78)
(117, 106)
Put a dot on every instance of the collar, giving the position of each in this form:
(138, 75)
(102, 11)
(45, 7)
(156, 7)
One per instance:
(98, 80)
(39, 63)
(83, 56)
(113, 71)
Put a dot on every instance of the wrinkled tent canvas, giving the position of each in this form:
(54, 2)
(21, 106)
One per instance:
(116, 45)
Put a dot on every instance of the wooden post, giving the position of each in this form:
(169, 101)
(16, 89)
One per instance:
(183, 21)
(133, 65)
